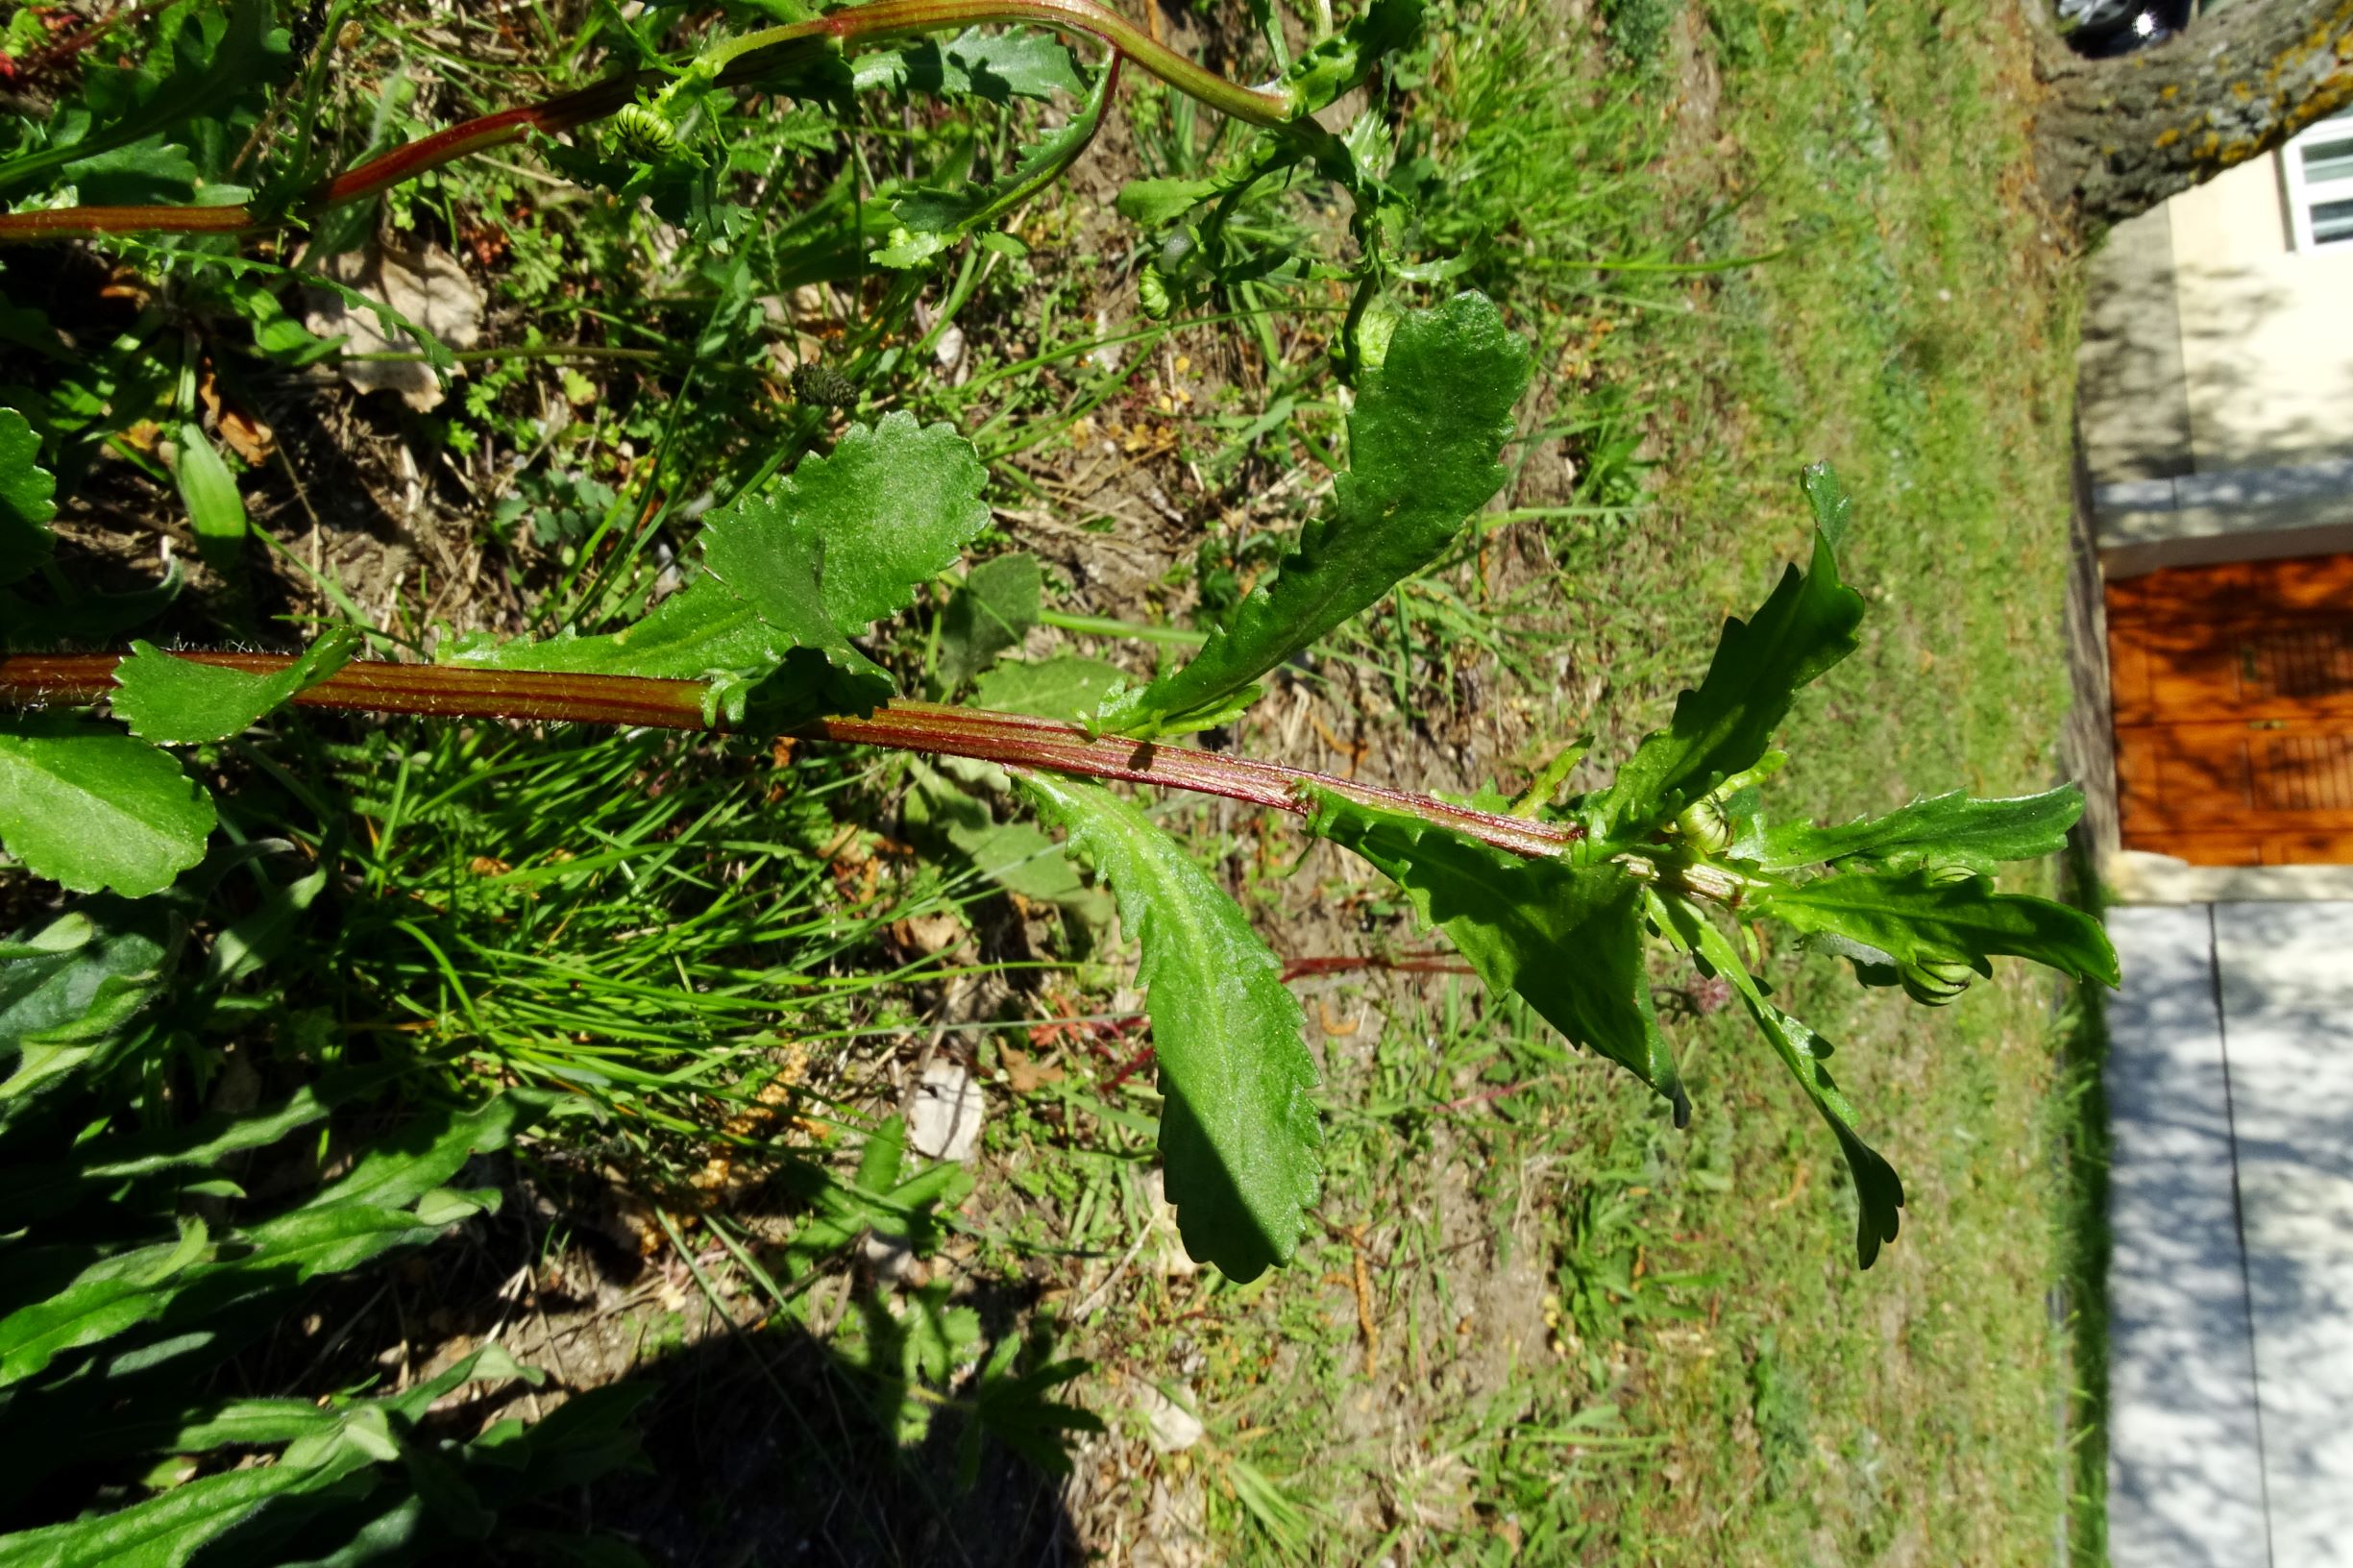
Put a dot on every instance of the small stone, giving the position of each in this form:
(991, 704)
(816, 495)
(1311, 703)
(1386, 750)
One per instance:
(1168, 1426)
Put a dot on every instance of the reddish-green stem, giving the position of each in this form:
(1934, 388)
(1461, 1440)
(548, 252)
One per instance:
(739, 60)
(1012, 739)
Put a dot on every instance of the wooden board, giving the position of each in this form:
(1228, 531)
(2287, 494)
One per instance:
(2233, 687)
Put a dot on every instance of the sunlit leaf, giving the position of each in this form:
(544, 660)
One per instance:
(91, 807)
(1879, 1191)
(1239, 1137)
(1921, 917)
(1805, 627)
(1944, 830)
(1423, 440)
(1565, 938)
(176, 702)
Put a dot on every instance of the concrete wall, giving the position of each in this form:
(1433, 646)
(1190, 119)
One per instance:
(2216, 396)
(2266, 332)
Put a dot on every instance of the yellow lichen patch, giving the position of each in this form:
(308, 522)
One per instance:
(2167, 138)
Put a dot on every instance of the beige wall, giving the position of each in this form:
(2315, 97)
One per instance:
(2266, 333)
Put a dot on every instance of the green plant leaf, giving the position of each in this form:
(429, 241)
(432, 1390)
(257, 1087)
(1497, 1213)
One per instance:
(993, 611)
(1019, 1412)
(216, 512)
(1067, 686)
(1239, 1137)
(175, 701)
(91, 808)
(998, 66)
(98, 1164)
(69, 993)
(1423, 440)
(895, 505)
(934, 218)
(95, 619)
(167, 1531)
(1877, 1190)
(1805, 627)
(1152, 203)
(842, 542)
(143, 172)
(1944, 830)
(1565, 938)
(27, 499)
(1922, 917)
(113, 1294)
(772, 568)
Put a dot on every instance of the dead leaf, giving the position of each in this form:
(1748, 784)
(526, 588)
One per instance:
(426, 287)
(247, 436)
(1023, 1075)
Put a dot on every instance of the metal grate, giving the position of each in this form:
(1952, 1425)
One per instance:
(2312, 660)
(2306, 772)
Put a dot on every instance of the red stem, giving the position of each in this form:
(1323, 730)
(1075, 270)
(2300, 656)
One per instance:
(1015, 739)
(748, 61)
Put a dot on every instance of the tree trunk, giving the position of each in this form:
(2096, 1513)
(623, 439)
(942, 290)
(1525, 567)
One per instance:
(2115, 137)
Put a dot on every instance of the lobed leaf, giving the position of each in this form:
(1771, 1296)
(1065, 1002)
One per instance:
(842, 542)
(1877, 1190)
(27, 499)
(894, 505)
(90, 808)
(998, 66)
(1920, 917)
(1423, 439)
(175, 701)
(1722, 728)
(1567, 939)
(1239, 1137)
(1944, 830)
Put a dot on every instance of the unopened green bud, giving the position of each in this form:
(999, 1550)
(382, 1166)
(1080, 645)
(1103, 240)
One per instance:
(1152, 291)
(1706, 826)
(1936, 981)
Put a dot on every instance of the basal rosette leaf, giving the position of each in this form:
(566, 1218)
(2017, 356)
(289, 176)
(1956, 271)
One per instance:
(1942, 830)
(1925, 918)
(1723, 728)
(175, 701)
(1565, 938)
(1239, 1136)
(1877, 1190)
(90, 807)
(1423, 441)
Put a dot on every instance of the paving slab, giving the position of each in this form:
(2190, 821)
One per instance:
(2286, 988)
(2185, 1473)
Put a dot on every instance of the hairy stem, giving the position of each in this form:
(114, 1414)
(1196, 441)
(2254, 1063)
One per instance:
(1010, 738)
(741, 62)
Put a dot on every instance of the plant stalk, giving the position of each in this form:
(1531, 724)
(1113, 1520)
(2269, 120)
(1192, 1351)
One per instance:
(741, 62)
(1012, 740)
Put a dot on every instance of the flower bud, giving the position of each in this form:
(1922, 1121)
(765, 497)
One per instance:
(1706, 826)
(1934, 982)
(1152, 291)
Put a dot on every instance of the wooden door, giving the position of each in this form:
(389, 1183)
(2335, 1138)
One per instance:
(2234, 711)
